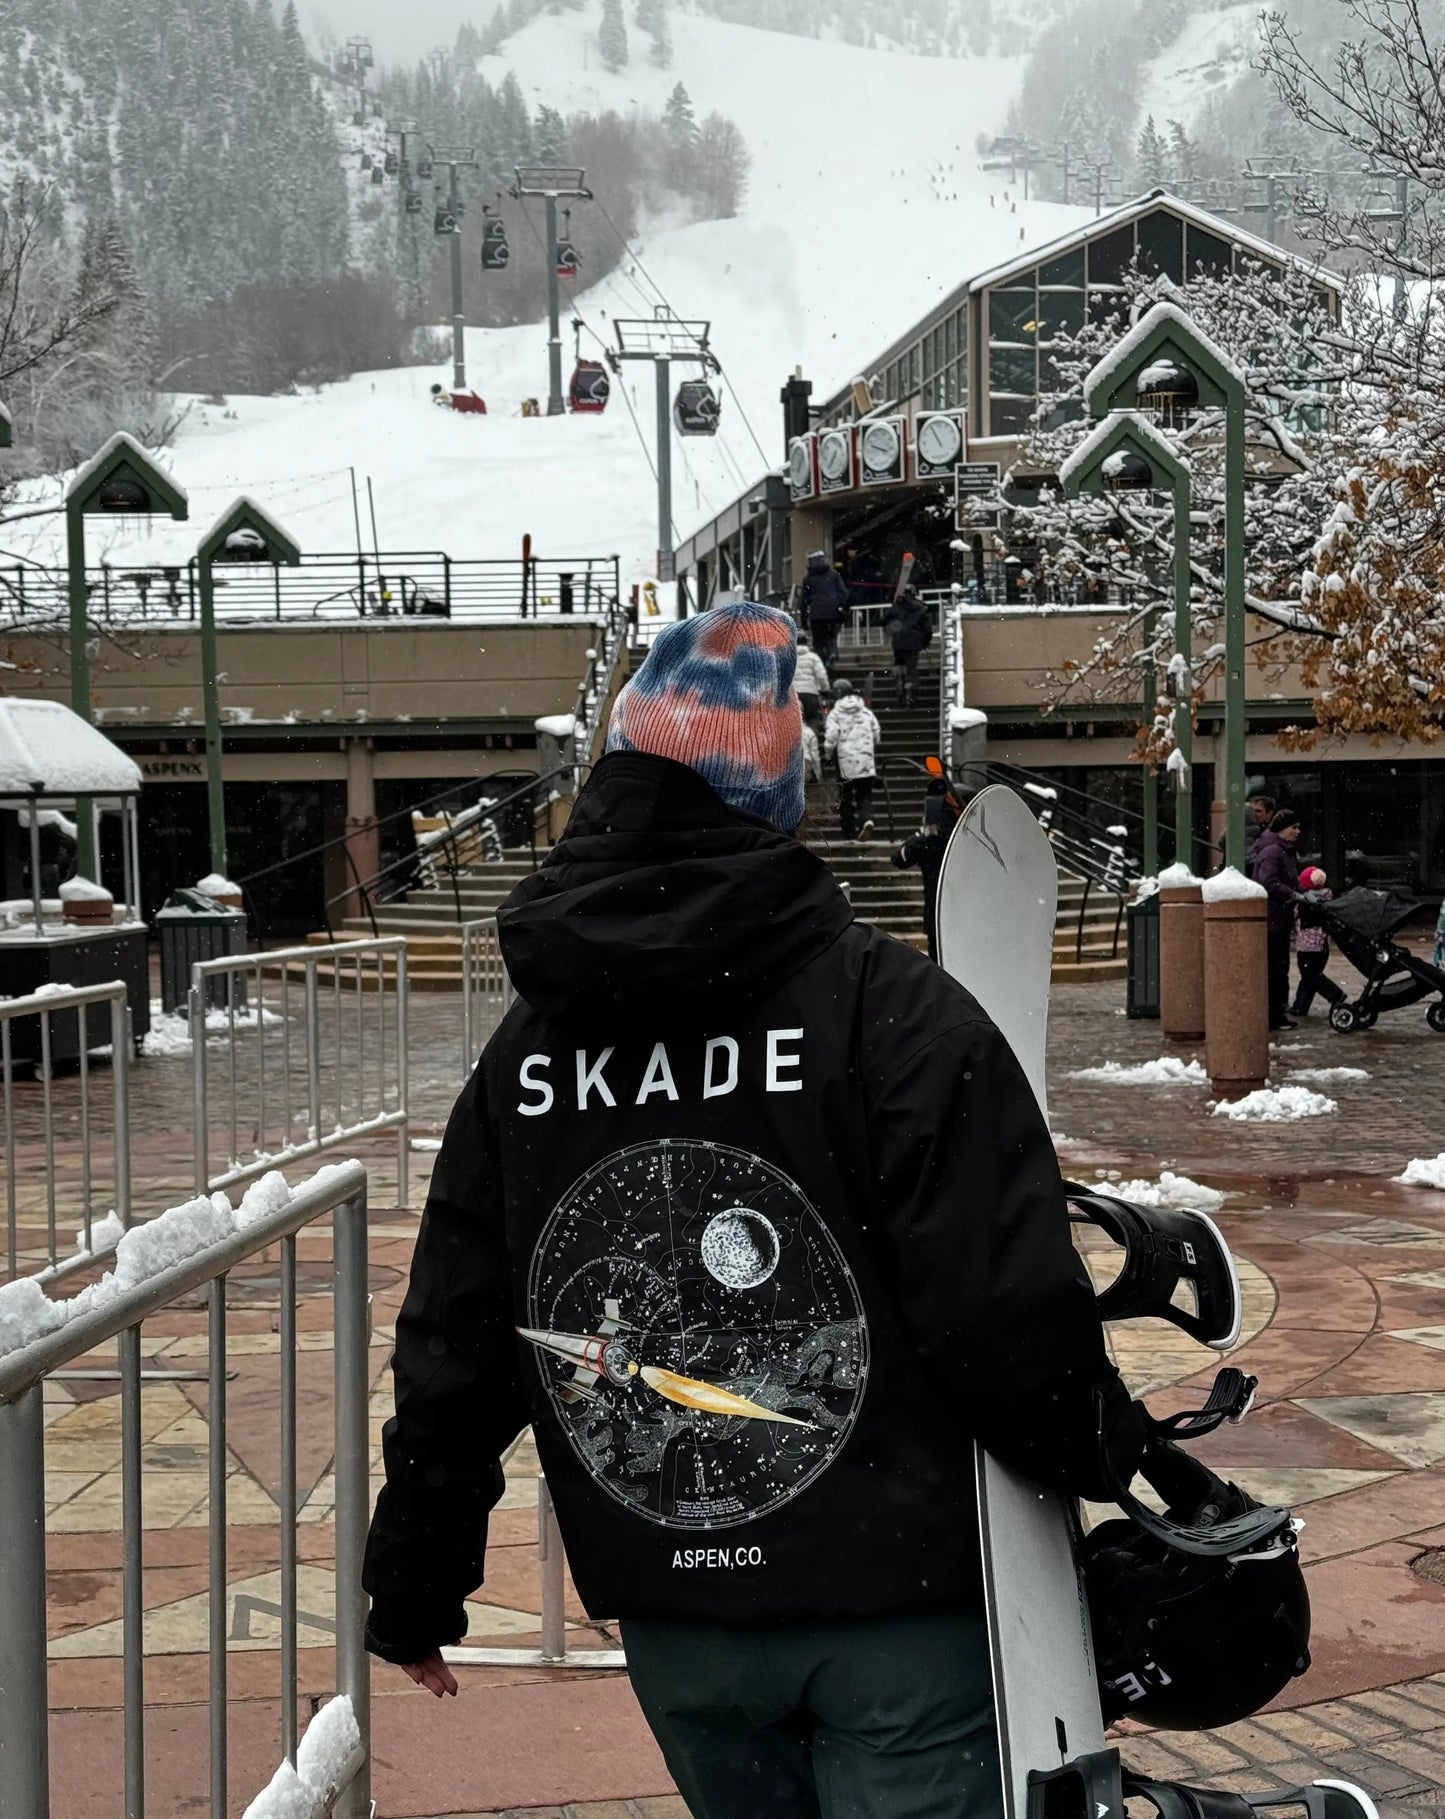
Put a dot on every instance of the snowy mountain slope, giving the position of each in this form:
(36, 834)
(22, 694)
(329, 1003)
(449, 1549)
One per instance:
(865, 208)
(1212, 52)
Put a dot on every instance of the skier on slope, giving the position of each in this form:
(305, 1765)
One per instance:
(751, 1213)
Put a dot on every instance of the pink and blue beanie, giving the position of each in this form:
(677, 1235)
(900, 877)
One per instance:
(716, 693)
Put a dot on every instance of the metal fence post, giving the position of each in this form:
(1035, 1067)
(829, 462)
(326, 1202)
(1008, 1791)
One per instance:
(403, 1085)
(24, 1706)
(200, 1111)
(353, 1480)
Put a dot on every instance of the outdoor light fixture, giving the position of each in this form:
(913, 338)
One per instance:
(1125, 471)
(122, 494)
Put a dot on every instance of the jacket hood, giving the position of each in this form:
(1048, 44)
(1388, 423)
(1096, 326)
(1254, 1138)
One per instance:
(818, 565)
(660, 896)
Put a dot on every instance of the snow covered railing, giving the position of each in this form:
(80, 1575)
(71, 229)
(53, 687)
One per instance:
(487, 992)
(320, 1062)
(158, 1263)
(56, 1022)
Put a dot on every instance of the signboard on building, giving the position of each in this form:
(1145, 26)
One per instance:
(178, 769)
(975, 483)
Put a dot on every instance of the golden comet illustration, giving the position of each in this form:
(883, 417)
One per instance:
(691, 1392)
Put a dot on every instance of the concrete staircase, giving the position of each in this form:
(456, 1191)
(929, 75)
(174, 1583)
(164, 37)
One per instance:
(889, 898)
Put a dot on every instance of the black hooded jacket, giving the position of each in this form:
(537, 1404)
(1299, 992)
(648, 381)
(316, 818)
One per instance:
(750, 1212)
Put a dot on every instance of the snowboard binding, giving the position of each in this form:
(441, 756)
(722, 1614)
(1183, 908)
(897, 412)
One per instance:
(1164, 1247)
(1097, 1783)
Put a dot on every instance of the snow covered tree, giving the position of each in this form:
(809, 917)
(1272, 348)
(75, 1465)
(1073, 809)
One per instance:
(550, 136)
(1151, 157)
(612, 35)
(721, 163)
(660, 49)
(1281, 328)
(679, 123)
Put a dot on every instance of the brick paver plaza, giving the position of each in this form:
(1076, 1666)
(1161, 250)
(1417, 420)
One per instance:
(1344, 1279)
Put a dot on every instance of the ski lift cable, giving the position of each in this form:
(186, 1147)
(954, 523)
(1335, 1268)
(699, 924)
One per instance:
(662, 298)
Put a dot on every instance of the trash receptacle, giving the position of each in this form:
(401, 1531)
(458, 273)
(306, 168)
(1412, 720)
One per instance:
(192, 927)
(1143, 995)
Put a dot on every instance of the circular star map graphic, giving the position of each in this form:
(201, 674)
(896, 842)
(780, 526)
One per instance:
(699, 1333)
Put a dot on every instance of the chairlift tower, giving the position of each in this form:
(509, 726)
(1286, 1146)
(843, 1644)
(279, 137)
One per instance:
(456, 159)
(552, 183)
(662, 339)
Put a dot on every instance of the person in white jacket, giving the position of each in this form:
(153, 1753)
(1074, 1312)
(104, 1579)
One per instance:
(851, 738)
(811, 682)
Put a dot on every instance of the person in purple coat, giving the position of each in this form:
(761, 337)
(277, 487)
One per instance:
(1276, 867)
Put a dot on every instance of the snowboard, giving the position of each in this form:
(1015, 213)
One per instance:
(997, 900)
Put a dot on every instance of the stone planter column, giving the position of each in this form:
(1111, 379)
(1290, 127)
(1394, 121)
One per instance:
(1181, 955)
(1236, 990)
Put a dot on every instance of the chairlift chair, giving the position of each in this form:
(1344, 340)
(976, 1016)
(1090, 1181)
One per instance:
(496, 253)
(445, 222)
(377, 174)
(391, 163)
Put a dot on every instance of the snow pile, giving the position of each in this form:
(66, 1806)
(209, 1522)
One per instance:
(1170, 1190)
(426, 1143)
(1327, 1076)
(1231, 886)
(214, 885)
(144, 1251)
(1177, 877)
(961, 719)
(328, 1756)
(169, 1036)
(105, 1235)
(1426, 1171)
(1274, 1105)
(1145, 888)
(557, 726)
(27, 1313)
(84, 890)
(1168, 1070)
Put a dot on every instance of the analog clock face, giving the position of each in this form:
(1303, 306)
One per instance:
(800, 466)
(880, 447)
(833, 456)
(699, 1333)
(939, 441)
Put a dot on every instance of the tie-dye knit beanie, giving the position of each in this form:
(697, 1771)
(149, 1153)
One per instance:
(716, 693)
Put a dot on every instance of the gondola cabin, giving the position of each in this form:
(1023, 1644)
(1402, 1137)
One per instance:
(696, 409)
(590, 388)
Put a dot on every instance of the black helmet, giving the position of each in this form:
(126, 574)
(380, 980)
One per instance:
(1191, 1640)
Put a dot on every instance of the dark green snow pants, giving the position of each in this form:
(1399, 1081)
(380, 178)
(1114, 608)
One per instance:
(883, 1718)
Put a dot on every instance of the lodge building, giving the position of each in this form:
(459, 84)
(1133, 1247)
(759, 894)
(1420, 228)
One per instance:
(886, 464)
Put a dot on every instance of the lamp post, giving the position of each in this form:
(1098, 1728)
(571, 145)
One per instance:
(120, 480)
(1164, 359)
(243, 533)
(1123, 453)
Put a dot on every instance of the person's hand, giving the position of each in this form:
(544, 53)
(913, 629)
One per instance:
(432, 1673)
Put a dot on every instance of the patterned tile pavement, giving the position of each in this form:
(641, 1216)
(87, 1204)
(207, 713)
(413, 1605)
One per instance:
(1344, 1282)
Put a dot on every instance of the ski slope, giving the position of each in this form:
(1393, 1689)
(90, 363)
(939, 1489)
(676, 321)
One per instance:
(865, 207)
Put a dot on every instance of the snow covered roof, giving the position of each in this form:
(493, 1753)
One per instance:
(125, 449)
(1143, 205)
(46, 750)
(1120, 424)
(1163, 317)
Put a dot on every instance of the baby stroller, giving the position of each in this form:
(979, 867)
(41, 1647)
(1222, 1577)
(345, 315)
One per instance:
(1360, 922)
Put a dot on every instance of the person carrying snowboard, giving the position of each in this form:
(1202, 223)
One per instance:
(926, 848)
(851, 737)
(822, 599)
(911, 630)
(750, 1212)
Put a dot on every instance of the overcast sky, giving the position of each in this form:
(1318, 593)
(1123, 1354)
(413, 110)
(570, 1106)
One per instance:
(403, 31)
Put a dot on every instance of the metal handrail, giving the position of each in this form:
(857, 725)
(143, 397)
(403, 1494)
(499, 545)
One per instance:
(24, 1711)
(326, 585)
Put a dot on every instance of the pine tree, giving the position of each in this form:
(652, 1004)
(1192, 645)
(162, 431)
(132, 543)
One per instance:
(612, 35)
(550, 136)
(1183, 161)
(660, 49)
(1152, 157)
(679, 123)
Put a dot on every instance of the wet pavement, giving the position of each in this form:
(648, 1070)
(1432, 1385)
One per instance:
(1343, 1273)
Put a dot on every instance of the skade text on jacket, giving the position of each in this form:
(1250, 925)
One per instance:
(749, 1211)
